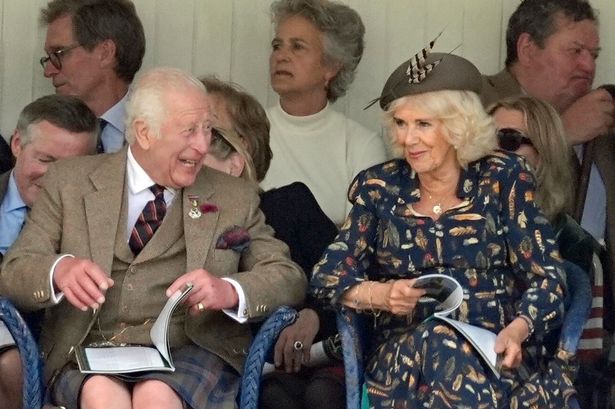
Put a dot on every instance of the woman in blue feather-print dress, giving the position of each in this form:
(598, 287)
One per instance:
(454, 206)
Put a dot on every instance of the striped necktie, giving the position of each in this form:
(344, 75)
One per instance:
(149, 220)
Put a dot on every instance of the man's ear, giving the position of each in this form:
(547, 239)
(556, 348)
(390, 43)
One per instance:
(143, 133)
(16, 143)
(107, 53)
(526, 48)
(237, 164)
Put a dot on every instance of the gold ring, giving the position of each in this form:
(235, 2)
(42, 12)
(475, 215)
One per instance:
(201, 307)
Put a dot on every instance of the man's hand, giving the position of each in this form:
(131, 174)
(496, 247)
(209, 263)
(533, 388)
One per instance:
(209, 291)
(590, 116)
(508, 343)
(303, 330)
(83, 283)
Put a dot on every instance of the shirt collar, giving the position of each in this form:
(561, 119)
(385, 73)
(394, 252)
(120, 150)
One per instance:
(116, 114)
(138, 179)
(12, 199)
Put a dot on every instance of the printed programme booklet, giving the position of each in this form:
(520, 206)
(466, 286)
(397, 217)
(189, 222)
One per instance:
(449, 293)
(135, 358)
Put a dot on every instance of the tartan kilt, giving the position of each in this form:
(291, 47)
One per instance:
(201, 379)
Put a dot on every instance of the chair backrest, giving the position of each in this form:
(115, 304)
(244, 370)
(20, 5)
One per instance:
(261, 347)
(354, 332)
(30, 360)
(579, 301)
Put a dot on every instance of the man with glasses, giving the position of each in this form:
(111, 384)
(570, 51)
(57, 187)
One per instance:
(93, 50)
(552, 46)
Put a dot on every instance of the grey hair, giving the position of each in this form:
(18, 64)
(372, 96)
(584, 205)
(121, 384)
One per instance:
(342, 30)
(64, 111)
(146, 98)
(538, 19)
(468, 127)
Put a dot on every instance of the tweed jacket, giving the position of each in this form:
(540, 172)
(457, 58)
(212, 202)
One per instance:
(502, 85)
(77, 213)
(498, 86)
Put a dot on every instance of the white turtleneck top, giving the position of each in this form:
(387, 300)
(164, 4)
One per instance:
(325, 151)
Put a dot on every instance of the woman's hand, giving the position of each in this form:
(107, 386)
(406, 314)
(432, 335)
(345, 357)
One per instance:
(401, 297)
(303, 330)
(396, 296)
(508, 343)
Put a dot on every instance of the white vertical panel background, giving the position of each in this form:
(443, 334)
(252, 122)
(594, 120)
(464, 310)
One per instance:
(231, 39)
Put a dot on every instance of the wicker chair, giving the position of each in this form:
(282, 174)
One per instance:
(31, 363)
(260, 348)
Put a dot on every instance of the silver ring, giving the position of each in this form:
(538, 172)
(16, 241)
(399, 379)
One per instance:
(298, 345)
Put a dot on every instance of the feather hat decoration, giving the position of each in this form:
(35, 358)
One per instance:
(418, 69)
(428, 72)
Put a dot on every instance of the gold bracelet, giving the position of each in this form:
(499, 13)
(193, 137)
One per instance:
(369, 293)
(529, 323)
(375, 313)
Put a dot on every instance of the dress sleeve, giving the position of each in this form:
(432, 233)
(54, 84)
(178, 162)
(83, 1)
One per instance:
(532, 248)
(345, 262)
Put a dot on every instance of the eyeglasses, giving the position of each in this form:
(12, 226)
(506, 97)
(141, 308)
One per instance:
(218, 138)
(511, 139)
(55, 58)
(219, 145)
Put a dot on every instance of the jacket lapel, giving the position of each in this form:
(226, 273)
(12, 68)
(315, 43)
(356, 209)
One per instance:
(199, 231)
(102, 208)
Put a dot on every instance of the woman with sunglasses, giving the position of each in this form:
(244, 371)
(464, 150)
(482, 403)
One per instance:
(533, 129)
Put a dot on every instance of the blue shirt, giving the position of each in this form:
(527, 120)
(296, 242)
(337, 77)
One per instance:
(113, 134)
(12, 215)
(594, 210)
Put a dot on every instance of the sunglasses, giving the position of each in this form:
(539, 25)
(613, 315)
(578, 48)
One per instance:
(511, 139)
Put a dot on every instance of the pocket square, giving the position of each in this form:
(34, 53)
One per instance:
(234, 238)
